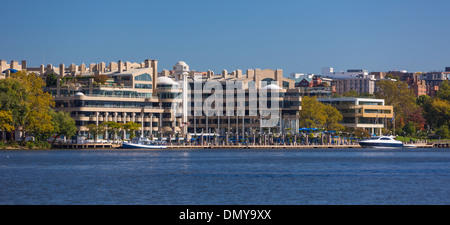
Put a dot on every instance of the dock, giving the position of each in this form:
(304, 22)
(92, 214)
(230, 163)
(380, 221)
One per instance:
(86, 146)
(186, 147)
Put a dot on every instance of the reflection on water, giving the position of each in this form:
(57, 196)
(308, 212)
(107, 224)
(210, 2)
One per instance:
(311, 176)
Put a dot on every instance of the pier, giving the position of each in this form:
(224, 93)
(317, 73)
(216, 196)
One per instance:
(86, 146)
(183, 147)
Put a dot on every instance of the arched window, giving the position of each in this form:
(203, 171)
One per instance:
(266, 81)
(143, 77)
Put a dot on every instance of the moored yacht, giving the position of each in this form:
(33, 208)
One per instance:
(381, 142)
(144, 143)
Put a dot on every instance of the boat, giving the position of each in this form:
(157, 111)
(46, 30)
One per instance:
(381, 142)
(144, 143)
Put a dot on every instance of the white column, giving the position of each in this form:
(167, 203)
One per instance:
(96, 115)
(124, 120)
(105, 119)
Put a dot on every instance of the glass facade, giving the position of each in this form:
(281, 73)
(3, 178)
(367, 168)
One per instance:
(143, 77)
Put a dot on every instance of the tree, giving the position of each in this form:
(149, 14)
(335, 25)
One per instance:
(333, 117)
(312, 113)
(400, 96)
(410, 129)
(131, 127)
(361, 133)
(113, 127)
(443, 132)
(423, 100)
(444, 90)
(350, 93)
(6, 120)
(14, 97)
(100, 78)
(95, 130)
(437, 112)
(63, 124)
(51, 80)
(38, 119)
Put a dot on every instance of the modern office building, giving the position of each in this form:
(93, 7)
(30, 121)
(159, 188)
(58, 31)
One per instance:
(174, 103)
(127, 94)
(244, 118)
(367, 113)
(163, 102)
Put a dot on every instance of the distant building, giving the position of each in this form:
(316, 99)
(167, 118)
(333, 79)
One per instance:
(300, 76)
(350, 74)
(360, 85)
(436, 78)
(306, 82)
(355, 79)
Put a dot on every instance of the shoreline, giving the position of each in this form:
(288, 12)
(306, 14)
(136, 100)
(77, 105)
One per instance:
(209, 147)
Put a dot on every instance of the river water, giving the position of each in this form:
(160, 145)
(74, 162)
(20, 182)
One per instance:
(226, 177)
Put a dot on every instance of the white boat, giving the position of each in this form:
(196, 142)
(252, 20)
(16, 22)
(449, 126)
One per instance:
(381, 142)
(144, 143)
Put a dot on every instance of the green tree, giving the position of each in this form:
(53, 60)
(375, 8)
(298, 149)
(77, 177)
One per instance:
(361, 133)
(332, 118)
(113, 127)
(444, 91)
(63, 124)
(6, 121)
(423, 100)
(312, 113)
(350, 93)
(443, 132)
(437, 112)
(410, 129)
(401, 97)
(38, 120)
(95, 130)
(131, 127)
(14, 97)
(51, 80)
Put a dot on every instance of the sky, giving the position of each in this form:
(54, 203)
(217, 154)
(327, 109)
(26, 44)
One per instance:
(295, 36)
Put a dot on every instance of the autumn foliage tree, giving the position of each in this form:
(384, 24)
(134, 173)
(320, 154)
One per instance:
(100, 78)
(6, 121)
(316, 114)
(401, 97)
(38, 120)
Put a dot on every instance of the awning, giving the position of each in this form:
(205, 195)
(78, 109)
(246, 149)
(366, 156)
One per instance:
(11, 70)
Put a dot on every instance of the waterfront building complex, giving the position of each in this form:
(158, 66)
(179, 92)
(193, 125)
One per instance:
(169, 103)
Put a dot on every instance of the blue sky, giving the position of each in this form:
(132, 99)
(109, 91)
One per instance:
(296, 36)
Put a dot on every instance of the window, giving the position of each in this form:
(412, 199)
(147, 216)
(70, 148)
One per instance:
(143, 77)
(143, 86)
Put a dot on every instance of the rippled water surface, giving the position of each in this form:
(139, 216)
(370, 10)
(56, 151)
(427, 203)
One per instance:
(262, 177)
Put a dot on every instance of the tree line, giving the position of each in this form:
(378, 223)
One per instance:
(421, 117)
(26, 108)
